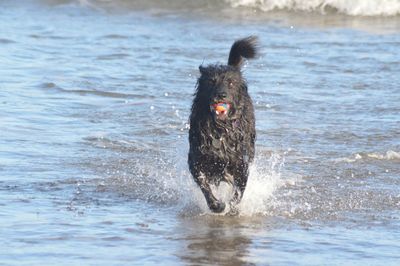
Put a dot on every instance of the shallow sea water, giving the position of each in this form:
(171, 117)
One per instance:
(94, 105)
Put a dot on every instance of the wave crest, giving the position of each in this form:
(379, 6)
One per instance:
(388, 156)
(352, 8)
(372, 8)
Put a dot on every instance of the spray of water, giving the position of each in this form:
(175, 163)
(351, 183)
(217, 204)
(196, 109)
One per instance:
(165, 180)
(264, 179)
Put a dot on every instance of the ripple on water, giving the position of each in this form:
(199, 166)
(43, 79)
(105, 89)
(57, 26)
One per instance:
(113, 56)
(6, 41)
(93, 136)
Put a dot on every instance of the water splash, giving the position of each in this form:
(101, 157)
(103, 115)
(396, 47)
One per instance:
(264, 179)
(167, 182)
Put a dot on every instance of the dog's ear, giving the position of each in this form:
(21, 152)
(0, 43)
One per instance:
(202, 69)
(243, 48)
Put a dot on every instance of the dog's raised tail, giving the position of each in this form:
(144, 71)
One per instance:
(243, 48)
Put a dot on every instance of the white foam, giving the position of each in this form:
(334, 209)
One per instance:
(353, 7)
(389, 155)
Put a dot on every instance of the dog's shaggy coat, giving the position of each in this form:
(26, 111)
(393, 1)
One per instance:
(222, 126)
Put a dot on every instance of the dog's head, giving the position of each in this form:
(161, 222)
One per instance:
(221, 87)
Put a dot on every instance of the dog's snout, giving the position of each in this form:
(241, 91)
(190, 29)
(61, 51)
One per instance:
(222, 94)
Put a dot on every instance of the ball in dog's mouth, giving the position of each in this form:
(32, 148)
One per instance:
(220, 109)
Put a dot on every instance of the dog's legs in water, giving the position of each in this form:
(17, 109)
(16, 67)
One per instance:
(239, 187)
(212, 202)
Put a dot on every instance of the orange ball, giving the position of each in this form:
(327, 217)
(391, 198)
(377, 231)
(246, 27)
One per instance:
(220, 108)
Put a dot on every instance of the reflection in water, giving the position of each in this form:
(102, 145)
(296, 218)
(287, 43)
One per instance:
(218, 240)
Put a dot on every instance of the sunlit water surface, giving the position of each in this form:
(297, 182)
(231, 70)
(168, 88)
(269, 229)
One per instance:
(94, 105)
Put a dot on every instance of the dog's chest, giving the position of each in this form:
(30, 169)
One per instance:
(224, 143)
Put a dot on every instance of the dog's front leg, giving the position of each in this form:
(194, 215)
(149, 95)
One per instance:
(213, 203)
(237, 197)
(240, 181)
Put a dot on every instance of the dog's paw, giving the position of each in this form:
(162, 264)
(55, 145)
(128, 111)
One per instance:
(233, 211)
(217, 207)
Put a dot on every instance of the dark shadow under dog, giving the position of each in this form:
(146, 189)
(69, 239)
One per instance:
(222, 127)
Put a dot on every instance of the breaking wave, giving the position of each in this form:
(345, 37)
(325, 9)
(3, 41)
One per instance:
(351, 8)
(388, 156)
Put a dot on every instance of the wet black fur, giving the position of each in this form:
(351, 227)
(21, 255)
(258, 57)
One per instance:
(222, 149)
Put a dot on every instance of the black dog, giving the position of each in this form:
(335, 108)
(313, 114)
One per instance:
(222, 126)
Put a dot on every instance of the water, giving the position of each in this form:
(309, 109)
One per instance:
(94, 105)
